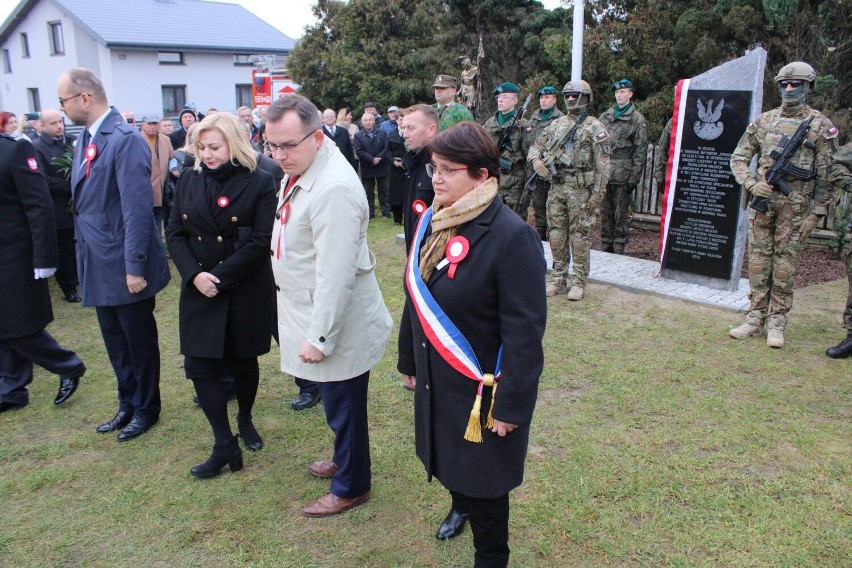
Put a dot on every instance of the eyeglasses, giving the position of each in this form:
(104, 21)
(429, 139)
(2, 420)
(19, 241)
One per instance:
(65, 100)
(432, 169)
(273, 148)
(790, 83)
(571, 95)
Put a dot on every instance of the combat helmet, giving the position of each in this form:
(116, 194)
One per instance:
(583, 92)
(797, 70)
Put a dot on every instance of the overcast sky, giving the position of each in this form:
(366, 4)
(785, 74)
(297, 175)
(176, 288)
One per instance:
(290, 20)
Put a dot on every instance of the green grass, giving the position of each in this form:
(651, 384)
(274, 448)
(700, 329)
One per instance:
(657, 441)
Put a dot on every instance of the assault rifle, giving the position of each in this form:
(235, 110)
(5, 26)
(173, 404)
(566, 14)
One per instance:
(782, 166)
(549, 156)
(503, 144)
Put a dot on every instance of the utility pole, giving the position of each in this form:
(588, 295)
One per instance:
(577, 42)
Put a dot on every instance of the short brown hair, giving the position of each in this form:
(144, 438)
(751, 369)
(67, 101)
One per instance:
(429, 113)
(308, 113)
(468, 144)
(85, 81)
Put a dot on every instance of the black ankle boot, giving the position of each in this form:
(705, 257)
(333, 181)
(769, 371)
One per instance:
(248, 433)
(452, 526)
(224, 453)
(842, 349)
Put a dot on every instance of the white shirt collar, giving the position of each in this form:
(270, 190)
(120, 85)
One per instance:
(93, 129)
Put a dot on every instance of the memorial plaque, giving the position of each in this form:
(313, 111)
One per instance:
(703, 228)
(706, 205)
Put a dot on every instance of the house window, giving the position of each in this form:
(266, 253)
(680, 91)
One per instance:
(243, 95)
(174, 99)
(242, 59)
(34, 100)
(25, 45)
(57, 44)
(7, 61)
(171, 57)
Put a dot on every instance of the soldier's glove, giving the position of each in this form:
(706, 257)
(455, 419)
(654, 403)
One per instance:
(594, 202)
(761, 189)
(541, 169)
(631, 187)
(810, 223)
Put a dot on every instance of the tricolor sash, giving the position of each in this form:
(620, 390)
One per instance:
(444, 336)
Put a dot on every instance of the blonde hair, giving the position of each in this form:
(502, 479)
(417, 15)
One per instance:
(235, 137)
(341, 116)
(188, 145)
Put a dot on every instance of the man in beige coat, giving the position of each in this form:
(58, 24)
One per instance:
(161, 153)
(332, 321)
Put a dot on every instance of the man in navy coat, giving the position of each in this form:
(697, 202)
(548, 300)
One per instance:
(120, 257)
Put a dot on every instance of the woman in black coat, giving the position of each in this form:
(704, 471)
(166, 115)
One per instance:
(396, 178)
(218, 237)
(483, 267)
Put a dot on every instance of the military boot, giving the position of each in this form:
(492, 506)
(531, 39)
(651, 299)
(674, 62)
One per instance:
(745, 330)
(842, 349)
(618, 248)
(555, 287)
(575, 293)
(775, 338)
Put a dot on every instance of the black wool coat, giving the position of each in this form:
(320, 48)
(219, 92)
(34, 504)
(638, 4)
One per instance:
(418, 186)
(367, 148)
(229, 239)
(343, 142)
(396, 177)
(497, 296)
(27, 240)
(47, 148)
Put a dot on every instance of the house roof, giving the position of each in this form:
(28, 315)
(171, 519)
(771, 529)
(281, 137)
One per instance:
(186, 25)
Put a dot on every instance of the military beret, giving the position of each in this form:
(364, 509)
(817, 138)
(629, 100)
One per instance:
(507, 87)
(444, 81)
(546, 91)
(623, 84)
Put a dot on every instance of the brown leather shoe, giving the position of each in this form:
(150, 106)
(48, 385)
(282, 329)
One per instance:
(324, 469)
(330, 504)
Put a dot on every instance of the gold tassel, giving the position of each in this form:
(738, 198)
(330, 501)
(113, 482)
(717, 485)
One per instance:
(490, 422)
(474, 428)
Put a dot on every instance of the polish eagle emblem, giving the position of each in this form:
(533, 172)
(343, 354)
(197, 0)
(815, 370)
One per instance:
(708, 126)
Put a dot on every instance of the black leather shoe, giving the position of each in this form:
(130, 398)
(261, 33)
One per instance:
(6, 406)
(120, 420)
(452, 526)
(138, 426)
(224, 453)
(305, 400)
(248, 433)
(73, 297)
(67, 387)
(842, 349)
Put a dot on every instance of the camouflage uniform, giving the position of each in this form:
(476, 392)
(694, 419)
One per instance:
(539, 196)
(452, 114)
(840, 176)
(512, 181)
(661, 155)
(775, 239)
(629, 138)
(571, 188)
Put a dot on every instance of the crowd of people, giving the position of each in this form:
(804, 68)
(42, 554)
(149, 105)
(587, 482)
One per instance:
(265, 216)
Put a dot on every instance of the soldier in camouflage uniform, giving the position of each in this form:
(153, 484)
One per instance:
(629, 135)
(776, 238)
(449, 111)
(540, 120)
(661, 155)
(840, 176)
(514, 159)
(573, 155)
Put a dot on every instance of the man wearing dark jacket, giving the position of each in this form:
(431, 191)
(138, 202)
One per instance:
(28, 256)
(339, 136)
(53, 143)
(186, 118)
(419, 127)
(371, 147)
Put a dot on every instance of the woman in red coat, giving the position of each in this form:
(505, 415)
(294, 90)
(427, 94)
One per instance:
(474, 319)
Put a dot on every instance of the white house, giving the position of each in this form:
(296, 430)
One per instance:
(153, 56)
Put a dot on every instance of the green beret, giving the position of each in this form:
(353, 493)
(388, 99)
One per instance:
(623, 84)
(507, 87)
(546, 91)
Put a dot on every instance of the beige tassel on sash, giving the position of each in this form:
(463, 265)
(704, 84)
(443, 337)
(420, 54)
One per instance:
(474, 422)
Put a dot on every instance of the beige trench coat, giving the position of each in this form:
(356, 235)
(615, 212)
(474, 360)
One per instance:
(327, 291)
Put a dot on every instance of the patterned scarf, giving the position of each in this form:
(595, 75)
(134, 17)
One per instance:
(447, 221)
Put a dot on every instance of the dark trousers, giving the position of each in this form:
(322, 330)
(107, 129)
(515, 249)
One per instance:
(345, 404)
(17, 356)
(159, 218)
(66, 270)
(130, 337)
(489, 523)
(377, 185)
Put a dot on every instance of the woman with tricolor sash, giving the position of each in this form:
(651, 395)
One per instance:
(471, 338)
